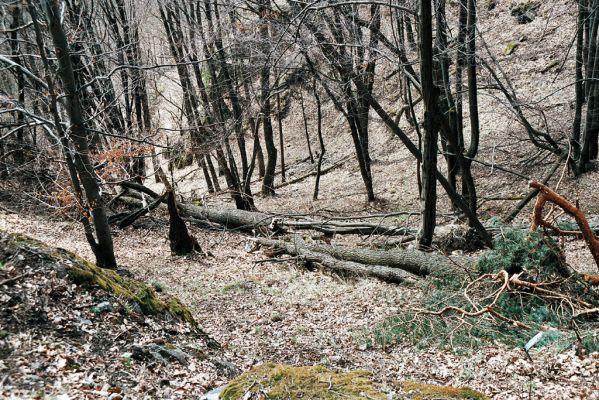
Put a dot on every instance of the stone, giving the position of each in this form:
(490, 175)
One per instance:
(526, 11)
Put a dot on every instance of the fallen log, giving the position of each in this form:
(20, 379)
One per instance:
(300, 249)
(140, 188)
(230, 218)
(412, 261)
(129, 219)
(347, 228)
(250, 221)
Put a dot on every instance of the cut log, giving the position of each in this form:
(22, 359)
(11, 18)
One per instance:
(412, 261)
(300, 249)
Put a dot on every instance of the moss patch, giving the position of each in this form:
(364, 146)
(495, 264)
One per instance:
(423, 391)
(83, 272)
(311, 382)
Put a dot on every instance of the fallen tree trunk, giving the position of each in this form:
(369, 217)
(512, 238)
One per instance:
(229, 218)
(129, 219)
(250, 221)
(300, 249)
(412, 261)
(347, 228)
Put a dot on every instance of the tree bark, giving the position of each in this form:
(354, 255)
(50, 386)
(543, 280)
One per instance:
(429, 143)
(181, 241)
(103, 247)
(298, 248)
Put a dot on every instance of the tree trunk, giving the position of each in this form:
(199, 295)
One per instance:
(213, 173)
(298, 248)
(207, 178)
(429, 143)
(181, 241)
(305, 119)
(579, 83)
(320, 141)
(18, 154)
(281, 142)
(103, 248)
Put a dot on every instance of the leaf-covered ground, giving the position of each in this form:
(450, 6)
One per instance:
(265, 312)
(63, 337)
(279, 312)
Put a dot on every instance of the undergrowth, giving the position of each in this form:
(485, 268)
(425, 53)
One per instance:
(533, 256)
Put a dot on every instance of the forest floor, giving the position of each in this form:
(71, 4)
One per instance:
(280, 312)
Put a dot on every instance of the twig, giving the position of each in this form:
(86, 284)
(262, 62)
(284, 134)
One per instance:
(14, 278)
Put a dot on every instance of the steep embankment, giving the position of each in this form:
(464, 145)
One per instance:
(70, 328)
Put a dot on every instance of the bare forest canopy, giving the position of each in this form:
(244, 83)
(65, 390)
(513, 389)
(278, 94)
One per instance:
(116, 90)
(372, 138)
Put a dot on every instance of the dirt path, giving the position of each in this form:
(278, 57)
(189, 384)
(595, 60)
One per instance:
(279, 312)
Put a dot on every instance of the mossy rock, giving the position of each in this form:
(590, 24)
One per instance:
(276, 381)
(423, 391)
(525, 11)
(83, 272)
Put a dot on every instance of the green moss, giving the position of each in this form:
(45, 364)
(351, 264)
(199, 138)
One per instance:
(310, 382)
(425, 391)
(510, 47)
(83, 272)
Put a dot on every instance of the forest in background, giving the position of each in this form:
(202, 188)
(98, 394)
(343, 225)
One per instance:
(404, 141)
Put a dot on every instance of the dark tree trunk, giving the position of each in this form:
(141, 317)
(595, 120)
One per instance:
(18, 153)
(268, 187)
(470, 189)
(447, 106)
(429, 143)
(213, 173)
(305, 118)
(182, 243)
(207, 178)
(102, 247)
(281, 141)
(320, 141)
